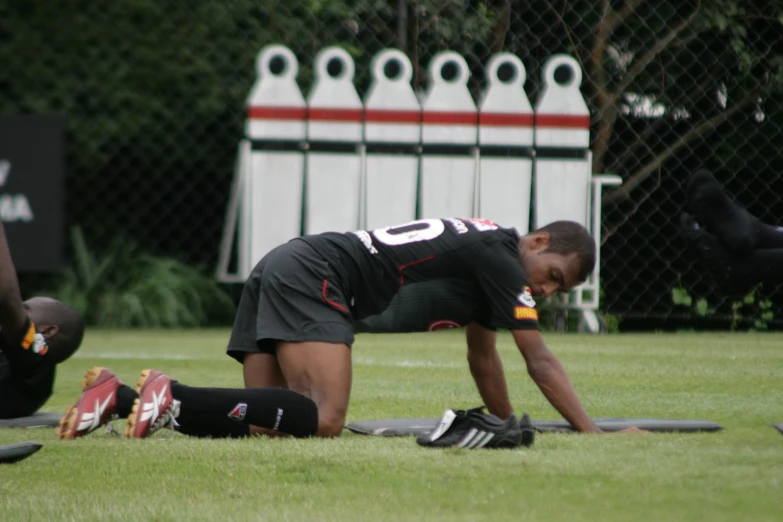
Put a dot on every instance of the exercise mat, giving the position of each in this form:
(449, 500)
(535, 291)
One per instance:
(37, 420)
(402, 427)
(16, 452)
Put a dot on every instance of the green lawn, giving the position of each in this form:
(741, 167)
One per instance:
(736, 380)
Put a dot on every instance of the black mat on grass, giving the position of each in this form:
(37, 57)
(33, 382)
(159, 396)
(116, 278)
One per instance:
(402, 427)
(38, 420)
(16, 452)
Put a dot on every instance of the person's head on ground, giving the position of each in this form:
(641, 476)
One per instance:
(61, 325)
(557, 257)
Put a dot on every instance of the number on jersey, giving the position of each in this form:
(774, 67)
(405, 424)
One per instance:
(421, 230)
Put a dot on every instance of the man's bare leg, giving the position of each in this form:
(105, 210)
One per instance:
(322, 372)
(261, 370)
(319, 374)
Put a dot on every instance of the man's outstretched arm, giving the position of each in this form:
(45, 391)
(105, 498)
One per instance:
(487, 370)
(550, 376)
(12, 312)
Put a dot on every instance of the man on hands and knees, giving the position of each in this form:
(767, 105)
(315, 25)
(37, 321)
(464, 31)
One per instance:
(35, 336)
(295, 325)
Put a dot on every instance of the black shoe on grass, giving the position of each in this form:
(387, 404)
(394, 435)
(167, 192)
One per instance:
(474, 429)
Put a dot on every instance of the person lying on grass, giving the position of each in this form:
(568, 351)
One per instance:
(739, 250)
(296, 320)
(35, 336)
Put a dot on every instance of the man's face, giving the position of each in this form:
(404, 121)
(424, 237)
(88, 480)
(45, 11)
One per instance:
(546, 272)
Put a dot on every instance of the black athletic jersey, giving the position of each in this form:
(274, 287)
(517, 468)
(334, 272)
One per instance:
(24, 389)
(375, 265)
(425, 307)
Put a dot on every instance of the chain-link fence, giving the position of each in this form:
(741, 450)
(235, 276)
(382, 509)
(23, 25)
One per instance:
(154, 96)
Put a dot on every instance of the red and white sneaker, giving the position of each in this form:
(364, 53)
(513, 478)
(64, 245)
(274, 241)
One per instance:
(155, 408)
(96, 407)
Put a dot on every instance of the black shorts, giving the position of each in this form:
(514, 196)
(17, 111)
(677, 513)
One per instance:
(292, 295)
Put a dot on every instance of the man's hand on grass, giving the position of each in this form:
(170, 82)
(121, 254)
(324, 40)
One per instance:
(632, 429)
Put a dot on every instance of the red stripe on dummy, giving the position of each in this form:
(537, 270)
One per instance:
(563, 121)
(350, 115)
(387, 116)
(506, 120)
(276, 113)
(450, 118)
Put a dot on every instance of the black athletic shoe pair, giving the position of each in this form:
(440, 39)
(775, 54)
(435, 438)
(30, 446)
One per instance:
(474, 429)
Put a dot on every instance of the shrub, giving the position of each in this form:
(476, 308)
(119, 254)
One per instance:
(126, 287)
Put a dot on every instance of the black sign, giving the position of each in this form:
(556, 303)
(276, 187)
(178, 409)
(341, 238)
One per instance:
(32, 164)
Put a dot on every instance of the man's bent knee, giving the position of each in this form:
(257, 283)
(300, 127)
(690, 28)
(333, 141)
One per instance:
(330, 424)
(322, 372)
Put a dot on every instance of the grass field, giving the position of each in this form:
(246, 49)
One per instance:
(735, 475)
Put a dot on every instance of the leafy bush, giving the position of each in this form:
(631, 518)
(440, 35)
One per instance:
(126, 287)
(752, 309)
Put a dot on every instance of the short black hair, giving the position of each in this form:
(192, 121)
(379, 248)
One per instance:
(569, 237)
(70, 325)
